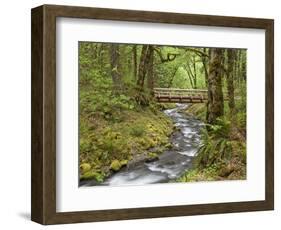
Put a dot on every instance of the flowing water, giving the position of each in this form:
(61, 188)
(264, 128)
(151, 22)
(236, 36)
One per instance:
(172, 163)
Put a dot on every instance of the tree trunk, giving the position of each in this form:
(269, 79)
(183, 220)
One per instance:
(194, 73)
(150, 70)
(114, 62)
(229, 80)
(205, 64)
(143, 66)
(190, 77)
(215, 95)
(173, 77)
(244, 66)
(101, 54)
(141, 72)
(135, 61)
(237, 67)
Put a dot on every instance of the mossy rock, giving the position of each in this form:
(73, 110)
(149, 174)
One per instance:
(168, 146)
(147, 143)
(226, 171)
(99, 177)
(152, 157)
(85, 167)
(164, 106)
(124, 162)
(151, 143)
(159, 149)
(115, 165)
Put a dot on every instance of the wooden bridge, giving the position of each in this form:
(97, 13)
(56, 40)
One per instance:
(172, 95)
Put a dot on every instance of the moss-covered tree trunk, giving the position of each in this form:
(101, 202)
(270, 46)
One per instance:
(135, 61)
(229, 79)
(144, 68)
(115, 66)
(141, 70)
(150, 70)
(244, 66)
(237, 67)
(146, 53)
(215, 96)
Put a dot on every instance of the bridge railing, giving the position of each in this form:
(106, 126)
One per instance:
(161, 92)
(181, 90)
(180, 95)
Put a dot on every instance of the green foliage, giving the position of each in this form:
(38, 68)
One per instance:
(174, 73)
(222, 153)
(104, 103)
(118, 123)
(209, 173)
(216, 144)
(241, 105)
(221, 129)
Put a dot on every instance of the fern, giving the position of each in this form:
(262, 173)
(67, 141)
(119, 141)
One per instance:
(215, 146)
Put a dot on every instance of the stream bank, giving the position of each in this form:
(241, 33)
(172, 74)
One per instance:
(167, 166)
(223, 152)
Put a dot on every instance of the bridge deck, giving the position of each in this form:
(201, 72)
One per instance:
(180, 95)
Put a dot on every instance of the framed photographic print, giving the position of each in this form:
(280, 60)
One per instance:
(140, 114)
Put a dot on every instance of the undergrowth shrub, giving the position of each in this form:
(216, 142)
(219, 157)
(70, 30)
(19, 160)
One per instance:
(216, 144)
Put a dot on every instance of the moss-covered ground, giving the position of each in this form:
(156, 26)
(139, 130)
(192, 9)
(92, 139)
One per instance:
(106, 145)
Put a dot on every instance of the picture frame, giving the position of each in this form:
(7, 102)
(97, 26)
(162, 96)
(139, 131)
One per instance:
(43, 160)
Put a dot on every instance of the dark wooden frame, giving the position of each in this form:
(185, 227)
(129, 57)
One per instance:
(43, 199)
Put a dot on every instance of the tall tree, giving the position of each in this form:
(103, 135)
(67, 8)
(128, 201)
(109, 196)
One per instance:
(194, 72)
(237, 67)
(115, 66)
(190, 75)
(215, 106)
(190, 69)
(173, 76)
(135, 61)
(146, 53)
(230, 76)
(204, 59)
(141, 70)
(103, 48)
(244, 65)
(150, 70)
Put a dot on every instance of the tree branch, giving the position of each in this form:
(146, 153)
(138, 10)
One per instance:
(198, 52)
(170, 56)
